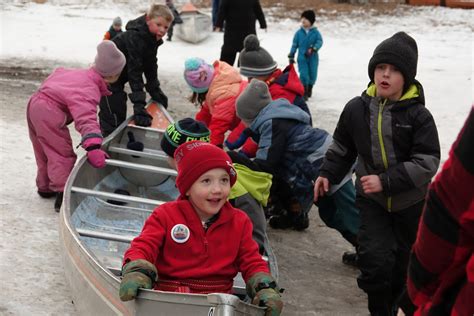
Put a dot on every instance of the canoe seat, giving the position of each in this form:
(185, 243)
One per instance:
(146, 153)
(116, 197)
(141, 167)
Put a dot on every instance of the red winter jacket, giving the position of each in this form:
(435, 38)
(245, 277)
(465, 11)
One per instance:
(218, 110)
(217, 254)
(441, 269)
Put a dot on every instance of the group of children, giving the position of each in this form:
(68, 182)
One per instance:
(387, 135)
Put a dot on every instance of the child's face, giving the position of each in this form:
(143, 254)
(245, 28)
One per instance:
(111, 79)
(389, 82)
(209, 192)
(158, 26)
(117, 27)
(305, 23)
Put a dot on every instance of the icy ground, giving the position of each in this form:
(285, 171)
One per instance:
(37, 38)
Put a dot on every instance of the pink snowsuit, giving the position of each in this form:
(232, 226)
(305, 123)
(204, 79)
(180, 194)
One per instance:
(66, 95)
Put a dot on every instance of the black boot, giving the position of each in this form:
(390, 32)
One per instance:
(301, 222)
(283, 221)
(350, 259)
(310, 91)
(305, 96)
(46, 195)
(58, 202)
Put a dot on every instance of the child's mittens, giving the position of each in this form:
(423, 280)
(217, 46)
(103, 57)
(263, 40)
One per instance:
(237, 137)
(264, 291)
(142, 117)
(291, 59)
(137, 274)
(309, 52)
(95, 155)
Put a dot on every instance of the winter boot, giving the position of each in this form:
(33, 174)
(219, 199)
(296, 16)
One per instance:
(305, 96)
(350, 259)
(283, 221)
(58, 202)
(310, 91)
(301, 222)
(46, 194)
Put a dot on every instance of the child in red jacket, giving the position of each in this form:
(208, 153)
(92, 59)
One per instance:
(184, 244)
(216, 88)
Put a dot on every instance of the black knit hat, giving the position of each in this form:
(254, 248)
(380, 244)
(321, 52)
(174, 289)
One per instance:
(401, 51)
(182, 132)
(309, 15)
(254, 60)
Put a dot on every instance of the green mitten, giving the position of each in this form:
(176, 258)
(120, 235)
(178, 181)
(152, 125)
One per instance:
(264, 291)
(271, 299)
(136, 274)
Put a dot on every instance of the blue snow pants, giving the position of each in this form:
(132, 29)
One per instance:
(308, 68)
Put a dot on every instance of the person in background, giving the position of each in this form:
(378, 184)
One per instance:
(177, 19)
(441, 269)
(307, 41)
(251, 189)
(239, 17)
(114, 30)
(139, 43)
(215, 10)
(66, 96)
(215, 88)
(394, 139)
(185, 246)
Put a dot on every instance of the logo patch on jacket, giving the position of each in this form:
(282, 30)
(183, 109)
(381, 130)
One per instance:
(180, 233)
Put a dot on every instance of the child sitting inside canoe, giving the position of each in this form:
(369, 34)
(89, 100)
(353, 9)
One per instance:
(185, 246)
(252, 188)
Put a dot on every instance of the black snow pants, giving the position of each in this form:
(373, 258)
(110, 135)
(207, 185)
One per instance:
(385, 240)
(113, 108)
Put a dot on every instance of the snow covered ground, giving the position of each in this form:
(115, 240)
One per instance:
(55, 35)
(444, 36)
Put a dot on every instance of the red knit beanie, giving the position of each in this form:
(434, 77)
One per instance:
(195, 158)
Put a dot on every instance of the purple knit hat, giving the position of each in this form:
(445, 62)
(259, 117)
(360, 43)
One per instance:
(109, 60)
(198, 74)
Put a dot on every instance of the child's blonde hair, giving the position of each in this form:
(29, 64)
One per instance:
(162, 10)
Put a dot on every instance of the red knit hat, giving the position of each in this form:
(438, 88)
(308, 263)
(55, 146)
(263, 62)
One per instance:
(195, 158)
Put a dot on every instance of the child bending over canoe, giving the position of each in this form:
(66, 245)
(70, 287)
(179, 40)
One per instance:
(198, 243)
(66, 96)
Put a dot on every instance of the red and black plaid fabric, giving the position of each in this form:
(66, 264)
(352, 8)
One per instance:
(441, 269)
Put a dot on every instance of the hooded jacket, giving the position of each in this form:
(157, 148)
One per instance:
(218, 110)
(140, 48)
(287, 85)
(288, 147)
(396, 140)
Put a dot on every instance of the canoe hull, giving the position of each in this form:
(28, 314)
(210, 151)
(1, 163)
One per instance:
(195, 28)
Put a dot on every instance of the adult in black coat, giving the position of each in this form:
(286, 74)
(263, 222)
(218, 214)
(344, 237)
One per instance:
(240, 17)
(139, 43)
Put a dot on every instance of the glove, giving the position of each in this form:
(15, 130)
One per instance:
(237, 137)
(158, 96)
(142, 117)
(291, 59)
(264, 291)
(137, 274)
(95, 155)
(309, 52)
(250, 148)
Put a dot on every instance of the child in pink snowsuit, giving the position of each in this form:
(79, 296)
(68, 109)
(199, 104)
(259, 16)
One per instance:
(69, 95)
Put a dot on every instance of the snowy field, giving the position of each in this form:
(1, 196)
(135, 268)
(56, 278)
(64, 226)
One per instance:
(67, 32)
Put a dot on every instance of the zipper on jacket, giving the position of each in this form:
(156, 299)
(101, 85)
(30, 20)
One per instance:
(382, 146)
